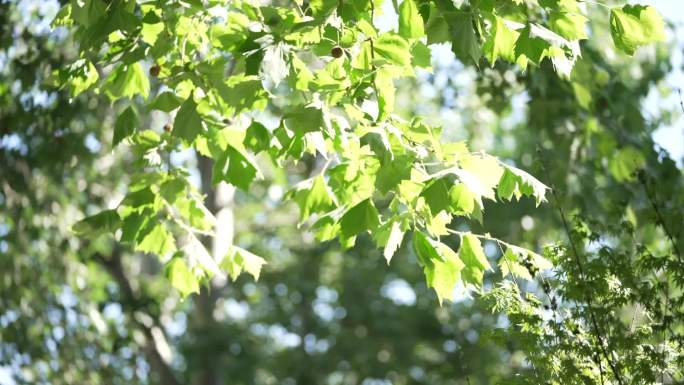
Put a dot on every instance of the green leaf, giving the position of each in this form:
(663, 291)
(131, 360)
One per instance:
(635, 25)
(473, 257)
(410, 21)
(421, 56)
(441, 265)
(304, 119)
(436, 195)
(389, 236)
(384, 85)
(393, 172)
(312, 196)
(625, 163)
(85, 78)
(188, 123)
(465, 44)
(125, 125)
(140, 198)
(301, 75)
(437, 28)
(322, 8)
(89, 13)
(437, 224)
(480, 174)
(516, 182)
(570, 25)
(236, 168)
(444, 275)
(510, 264)
(530, 48)
(166, 101)
(394, 49)
(364, 216)
(273, 65)
(195, 251)
(242, 93)
(462, 201)
(425, 251)
(107, 221)
(150, 32)
(157, 241)
(238, 260)
(181, 278)
(127, 81)
(364, 59)
(501, 42)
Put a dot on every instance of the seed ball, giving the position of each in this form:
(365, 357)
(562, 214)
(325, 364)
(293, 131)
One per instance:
(337, 52)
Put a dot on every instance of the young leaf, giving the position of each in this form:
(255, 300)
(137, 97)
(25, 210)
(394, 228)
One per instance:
(635, 25)
(510, 265)
(516, 182)
(570, 25)
(473, 257)
(441, 265)
(394, 49)
(384, 85)
(157, 241)
(461, 200)
(238, 260)
(529, 48)
(390, 235)
(444, 275)
(501, 42)
(625, 163)
(313, 195)
(410, 21)
(181, 278)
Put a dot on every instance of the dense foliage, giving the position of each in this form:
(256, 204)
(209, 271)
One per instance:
(165, 108)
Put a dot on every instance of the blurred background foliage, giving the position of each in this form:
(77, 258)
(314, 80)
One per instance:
(74, 311)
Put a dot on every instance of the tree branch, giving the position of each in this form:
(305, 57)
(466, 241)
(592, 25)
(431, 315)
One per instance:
(115, 268)
(587, 298)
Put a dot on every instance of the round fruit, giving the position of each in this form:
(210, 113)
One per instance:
(337, 52)
(154, 70)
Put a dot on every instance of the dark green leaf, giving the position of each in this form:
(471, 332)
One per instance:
(125, 125)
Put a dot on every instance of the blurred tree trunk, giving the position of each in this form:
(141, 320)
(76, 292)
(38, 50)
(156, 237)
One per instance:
(218, 202)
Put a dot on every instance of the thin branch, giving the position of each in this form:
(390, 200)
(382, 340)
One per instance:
(659, 217)
(115, 268)
(592, 318)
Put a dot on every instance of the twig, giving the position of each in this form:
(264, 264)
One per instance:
(599, 335)
(115, 268)
(659, 217)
